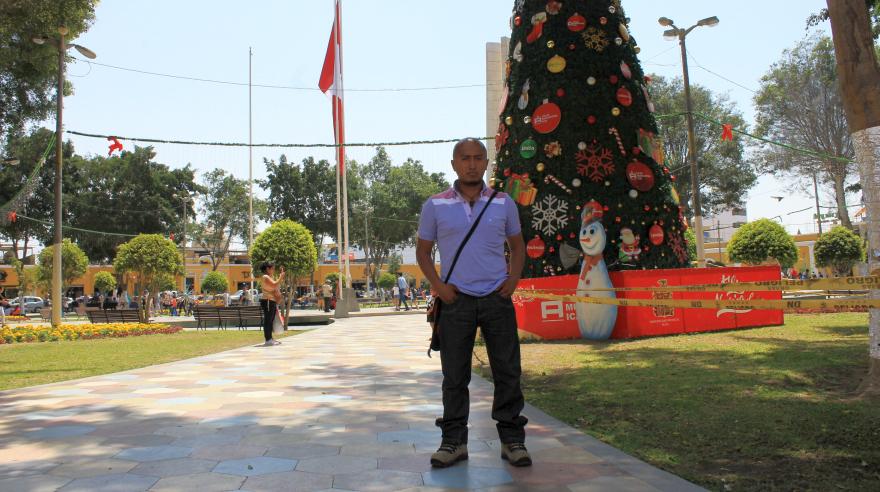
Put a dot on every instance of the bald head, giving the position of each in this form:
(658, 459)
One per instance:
(461, 143)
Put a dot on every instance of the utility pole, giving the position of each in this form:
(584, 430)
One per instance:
(367, 249)
(250, 162)
(816, 194)
(681, 35)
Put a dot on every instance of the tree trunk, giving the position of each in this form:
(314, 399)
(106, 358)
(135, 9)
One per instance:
(840, 198)
(860, 86)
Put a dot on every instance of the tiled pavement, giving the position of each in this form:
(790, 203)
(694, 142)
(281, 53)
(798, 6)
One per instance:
(348, 406)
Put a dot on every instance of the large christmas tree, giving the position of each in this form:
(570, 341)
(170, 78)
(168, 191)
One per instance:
(577, 127)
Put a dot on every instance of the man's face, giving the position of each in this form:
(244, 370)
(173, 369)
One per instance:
(470, 163)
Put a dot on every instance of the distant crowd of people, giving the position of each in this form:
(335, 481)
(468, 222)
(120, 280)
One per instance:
(794, 274)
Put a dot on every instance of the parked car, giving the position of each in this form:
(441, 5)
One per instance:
(29, 304)
(236, 298)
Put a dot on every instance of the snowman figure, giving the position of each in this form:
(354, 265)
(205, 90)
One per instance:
(595, 321)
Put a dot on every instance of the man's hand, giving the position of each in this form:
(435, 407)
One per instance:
(447, 293)
(508, 287)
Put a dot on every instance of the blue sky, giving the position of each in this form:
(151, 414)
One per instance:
(387, 45)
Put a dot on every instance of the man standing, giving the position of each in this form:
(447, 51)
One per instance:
(326, 293)
(478, 294)
(404, 290)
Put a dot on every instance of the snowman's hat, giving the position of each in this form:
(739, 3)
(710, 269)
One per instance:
(592, 212)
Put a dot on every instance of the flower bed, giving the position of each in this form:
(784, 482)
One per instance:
(16, 319)
(30, 333)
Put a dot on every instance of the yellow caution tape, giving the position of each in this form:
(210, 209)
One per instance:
(787, 305)
(838, 283)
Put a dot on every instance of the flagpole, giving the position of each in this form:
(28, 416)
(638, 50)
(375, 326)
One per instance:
(340, 187)
(250, 160)
(342, 144)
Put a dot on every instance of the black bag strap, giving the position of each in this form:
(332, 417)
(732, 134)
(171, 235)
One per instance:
(468, 236)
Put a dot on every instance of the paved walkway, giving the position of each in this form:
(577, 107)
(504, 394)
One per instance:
(348, 406)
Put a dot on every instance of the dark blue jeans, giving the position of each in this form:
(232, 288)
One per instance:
(269, 311)
(496, 318)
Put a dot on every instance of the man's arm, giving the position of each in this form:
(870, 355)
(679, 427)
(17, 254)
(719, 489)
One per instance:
(426, 264)
(517, 260)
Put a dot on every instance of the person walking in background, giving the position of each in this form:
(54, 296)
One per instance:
(270, 299)
(395, 297)
(326, 293)
(404, 291)
(477, 293)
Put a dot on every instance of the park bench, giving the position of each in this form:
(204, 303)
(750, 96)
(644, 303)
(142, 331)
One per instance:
(113, 315)
(222, 317)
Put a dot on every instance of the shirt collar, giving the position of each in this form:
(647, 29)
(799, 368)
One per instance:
(484, 191)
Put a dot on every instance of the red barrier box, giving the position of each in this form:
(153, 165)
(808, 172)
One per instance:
(556, 320)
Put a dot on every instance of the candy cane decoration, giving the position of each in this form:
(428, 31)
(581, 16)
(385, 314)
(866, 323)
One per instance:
(550, 177)
(613, 131)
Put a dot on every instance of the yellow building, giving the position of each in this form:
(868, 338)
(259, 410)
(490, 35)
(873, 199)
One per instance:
(806, 261)
(236, 267)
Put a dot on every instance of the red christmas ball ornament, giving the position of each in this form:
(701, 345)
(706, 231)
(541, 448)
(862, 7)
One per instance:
(560, 92)
(591, 120)
(646, 249)
(535, 248)
(552, 249)
(617, 220)
(647, 208)
(672, 177)
(546, 117)
(605, 208)
(577, 23)
(517, 21)
(613, 79)
(639, 176)
(507, 171)
(603, 20)
(559, 237)
(572, 46)
(572, 236)
(636, 150)
(624, 97)
(656, 235)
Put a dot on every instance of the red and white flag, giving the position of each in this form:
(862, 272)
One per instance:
(330, 83)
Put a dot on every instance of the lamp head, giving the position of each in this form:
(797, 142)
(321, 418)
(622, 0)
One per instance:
(85, 51)
(665, 21)
(670, 34)
(709, 22)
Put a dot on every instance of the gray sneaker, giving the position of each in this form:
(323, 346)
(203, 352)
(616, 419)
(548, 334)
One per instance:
(516, 454)
(269, 343)
(276, 342)
(448, 455)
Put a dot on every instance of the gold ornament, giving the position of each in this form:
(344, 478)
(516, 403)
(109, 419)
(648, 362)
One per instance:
(615, 111)
(540, 167)
(491, 182)
(556, 64)
(508, 120)
(637, 50)
(551, 44)
(527, 119)
(624, 32)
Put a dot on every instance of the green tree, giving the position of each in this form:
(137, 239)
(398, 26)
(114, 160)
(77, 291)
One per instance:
(725, 175)
(873, 7)
(691, 238)
(394, 262)
(27, 277)
(392, 197)
(146, 188)
(74, 264)
(104, 282)
(152, 259)
(225, 211)
(386, 280)
(39, 204)
(290, 246)
(761, 241)
(215, 283)
(568, 134)
(29, 72)
(799, 104)
(839, 249)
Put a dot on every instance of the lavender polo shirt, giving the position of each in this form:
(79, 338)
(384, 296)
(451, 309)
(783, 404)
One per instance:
(446, 219)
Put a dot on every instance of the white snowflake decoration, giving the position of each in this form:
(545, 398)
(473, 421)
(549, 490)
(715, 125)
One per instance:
(549, 215)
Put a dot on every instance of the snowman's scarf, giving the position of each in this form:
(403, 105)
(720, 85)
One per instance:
(589, 263)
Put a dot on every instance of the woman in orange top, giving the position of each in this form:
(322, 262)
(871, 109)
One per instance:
(270, 299)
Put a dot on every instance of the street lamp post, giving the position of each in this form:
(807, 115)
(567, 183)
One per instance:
(184, 199)
(59, 143)
(681, 34)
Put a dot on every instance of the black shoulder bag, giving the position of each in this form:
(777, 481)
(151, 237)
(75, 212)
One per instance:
(436, 303)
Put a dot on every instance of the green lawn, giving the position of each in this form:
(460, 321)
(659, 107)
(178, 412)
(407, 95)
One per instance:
(762, 409)
(28, 364)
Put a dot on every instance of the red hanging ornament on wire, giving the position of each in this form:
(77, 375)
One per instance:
(116, 145)
(727, 133)
(12, 216)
